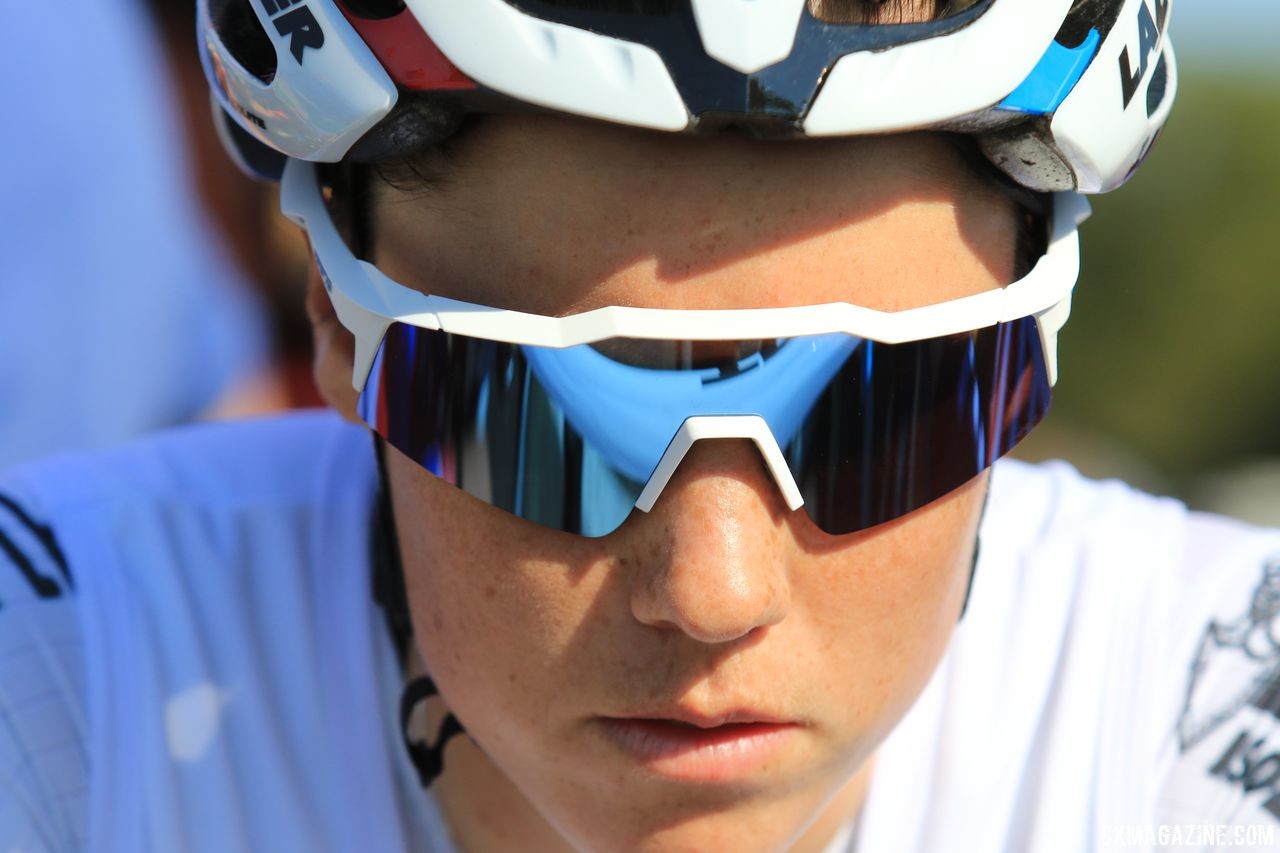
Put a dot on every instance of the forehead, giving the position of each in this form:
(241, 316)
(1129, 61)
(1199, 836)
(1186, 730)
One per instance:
(554, 216)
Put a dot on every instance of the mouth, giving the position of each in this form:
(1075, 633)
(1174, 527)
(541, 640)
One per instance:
(694, 748)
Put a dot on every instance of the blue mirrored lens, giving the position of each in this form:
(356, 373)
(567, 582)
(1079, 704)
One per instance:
(902, 425)
(568, 437)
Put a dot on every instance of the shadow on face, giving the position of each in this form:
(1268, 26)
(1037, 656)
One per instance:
(554, 216)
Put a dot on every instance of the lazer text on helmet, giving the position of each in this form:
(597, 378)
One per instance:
(1150, 29)
(298, 24)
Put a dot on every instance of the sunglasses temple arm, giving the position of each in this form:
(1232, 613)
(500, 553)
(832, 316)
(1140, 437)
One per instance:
(366, 300)
(1050, 323)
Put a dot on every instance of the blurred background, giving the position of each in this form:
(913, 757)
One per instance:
(1171, 361)
(1170, 364)
(143, 281)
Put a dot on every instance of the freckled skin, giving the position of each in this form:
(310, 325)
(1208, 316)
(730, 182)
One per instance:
(720, 597)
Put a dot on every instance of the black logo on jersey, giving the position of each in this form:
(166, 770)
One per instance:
(43, 585)
(1249, 646)
(1150, 29)
(300, 26)
(1251, 764)
(1245, 651)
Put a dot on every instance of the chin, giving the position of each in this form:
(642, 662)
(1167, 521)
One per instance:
(739, 830)
(628, 809)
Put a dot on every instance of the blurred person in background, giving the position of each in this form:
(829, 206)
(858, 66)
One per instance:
(658, 577)
(266, 246)
(120, 309)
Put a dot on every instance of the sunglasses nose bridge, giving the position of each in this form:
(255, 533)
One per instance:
(701, 427)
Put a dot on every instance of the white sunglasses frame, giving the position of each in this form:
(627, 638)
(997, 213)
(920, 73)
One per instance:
(367, 302)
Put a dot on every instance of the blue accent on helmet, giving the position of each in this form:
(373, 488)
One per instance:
(1053, 78)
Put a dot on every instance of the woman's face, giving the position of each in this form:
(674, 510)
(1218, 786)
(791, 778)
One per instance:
(714, 672)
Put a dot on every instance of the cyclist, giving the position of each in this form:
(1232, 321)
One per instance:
(687, 335)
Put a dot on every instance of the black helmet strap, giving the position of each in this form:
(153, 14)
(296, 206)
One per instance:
(389, 593)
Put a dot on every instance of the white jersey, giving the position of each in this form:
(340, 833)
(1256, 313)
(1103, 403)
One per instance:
(191, 660)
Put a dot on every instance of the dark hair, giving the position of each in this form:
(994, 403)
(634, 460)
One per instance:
(885, 11)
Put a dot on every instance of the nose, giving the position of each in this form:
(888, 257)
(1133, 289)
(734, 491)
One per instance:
(712, 554)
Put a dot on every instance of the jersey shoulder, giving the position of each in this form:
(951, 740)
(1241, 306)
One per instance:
(301, 457)
(1053, 503)
(151, 539)
(1037, 509)
(1189, 604)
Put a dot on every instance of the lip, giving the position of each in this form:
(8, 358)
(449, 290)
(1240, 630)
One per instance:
(693, 747)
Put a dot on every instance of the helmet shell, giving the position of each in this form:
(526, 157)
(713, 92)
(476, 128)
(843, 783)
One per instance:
(1061, 94)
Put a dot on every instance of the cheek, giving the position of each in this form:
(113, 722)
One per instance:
(879, 608)
(503, 608)
(494, 600)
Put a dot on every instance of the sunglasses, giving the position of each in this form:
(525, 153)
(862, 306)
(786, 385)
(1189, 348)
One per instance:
(860, 416)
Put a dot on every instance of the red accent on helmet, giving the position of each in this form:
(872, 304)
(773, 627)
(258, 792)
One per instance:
(408, 53)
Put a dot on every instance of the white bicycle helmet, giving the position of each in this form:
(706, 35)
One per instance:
(1061, 94)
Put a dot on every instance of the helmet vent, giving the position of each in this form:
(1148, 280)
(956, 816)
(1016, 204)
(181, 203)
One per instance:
(241, 32)
(374, 10)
